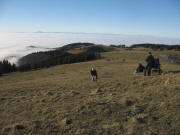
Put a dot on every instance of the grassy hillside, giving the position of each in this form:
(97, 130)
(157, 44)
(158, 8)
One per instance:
(68, 54)
(62, 100)
(70, 50)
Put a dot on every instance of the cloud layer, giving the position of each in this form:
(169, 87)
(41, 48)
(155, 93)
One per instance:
(16, 45)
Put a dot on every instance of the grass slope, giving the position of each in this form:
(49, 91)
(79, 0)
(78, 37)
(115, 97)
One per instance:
(62, 100)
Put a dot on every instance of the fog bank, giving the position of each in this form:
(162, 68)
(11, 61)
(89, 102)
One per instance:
(15, 45)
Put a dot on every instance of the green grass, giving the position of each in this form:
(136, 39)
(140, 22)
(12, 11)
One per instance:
(62, 100)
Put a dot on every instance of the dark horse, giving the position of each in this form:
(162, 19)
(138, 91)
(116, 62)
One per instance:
(153, 67)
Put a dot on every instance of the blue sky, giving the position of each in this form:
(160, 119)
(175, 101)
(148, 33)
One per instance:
(144, 17)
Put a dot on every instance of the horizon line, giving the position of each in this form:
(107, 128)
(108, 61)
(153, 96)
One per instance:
(97, 33)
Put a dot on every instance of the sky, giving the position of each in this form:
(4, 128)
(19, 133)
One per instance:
(134, 17)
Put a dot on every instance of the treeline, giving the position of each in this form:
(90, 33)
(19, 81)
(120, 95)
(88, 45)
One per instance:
(58, 52)
(66, 58)
(7, 67)
(73, 46)
(119, 46)
(61, 56)
(97, 49)
(157, 46)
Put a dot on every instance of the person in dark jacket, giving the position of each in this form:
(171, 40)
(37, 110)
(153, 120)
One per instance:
(94, 74)
(140, 68)
(149, 63)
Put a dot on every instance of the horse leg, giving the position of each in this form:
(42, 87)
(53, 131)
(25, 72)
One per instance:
(145, 72)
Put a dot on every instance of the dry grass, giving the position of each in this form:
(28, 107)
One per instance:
(63, 100)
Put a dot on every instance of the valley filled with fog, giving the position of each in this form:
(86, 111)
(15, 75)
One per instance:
(15, 45)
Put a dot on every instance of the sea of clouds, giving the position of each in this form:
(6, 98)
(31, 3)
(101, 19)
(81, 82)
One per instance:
(15, 45)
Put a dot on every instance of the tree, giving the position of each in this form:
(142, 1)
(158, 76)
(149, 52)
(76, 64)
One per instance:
(7, 67)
